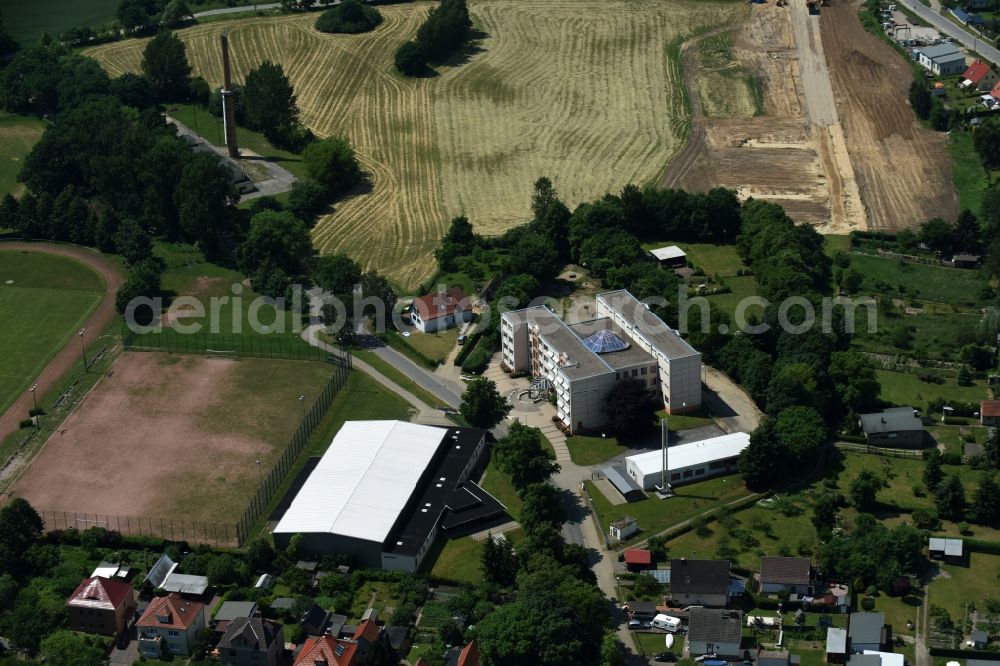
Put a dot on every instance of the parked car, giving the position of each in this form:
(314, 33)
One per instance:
(665, 657)
(638, 624)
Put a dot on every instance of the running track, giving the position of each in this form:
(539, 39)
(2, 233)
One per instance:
(66, 357)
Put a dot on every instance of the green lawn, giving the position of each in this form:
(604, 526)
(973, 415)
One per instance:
(404, 381)
(459, 561)
(950, 286)
(234, 316)
(44, 300)
(835, 244)
(905, 389)
(210, 127)
(741, 288)
(373, 594)
(18, 134)
(652, 642)
(967, 173)
(500, 487)
(899, 610)
(695, 419)
(435, 346)
(655, 515)
(958, 586)
(746, 537)
(25, 21)
(586, 450)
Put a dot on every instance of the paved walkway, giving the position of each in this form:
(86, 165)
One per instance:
(278, 180)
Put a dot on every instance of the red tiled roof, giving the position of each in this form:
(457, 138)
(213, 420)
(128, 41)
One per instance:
(98, 592)
(440, 304)
(367, 630)
(976, 71)
(990, 407)
(638, 556)
(180, 612)
(328, 649)
(469, 656)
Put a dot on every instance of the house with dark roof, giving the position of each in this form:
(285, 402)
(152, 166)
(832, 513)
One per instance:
(989, 410)
(699, 582)
(441, 310)
(315, 621)
(836, 645)
(980, 76)
(170, 625)
(715, 631)
(793, 574)
(980, 639)
(896, 427)
(868, 631)
(101, 606)
(229, 611)
(331, 651)
(398, 638)
(251, 641)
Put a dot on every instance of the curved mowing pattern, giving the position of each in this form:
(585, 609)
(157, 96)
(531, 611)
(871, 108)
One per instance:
(585, 92)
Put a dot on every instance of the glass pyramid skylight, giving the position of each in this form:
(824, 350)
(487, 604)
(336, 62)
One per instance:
(605, 341)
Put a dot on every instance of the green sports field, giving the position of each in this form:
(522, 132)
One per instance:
(44, 300)
(27, 20)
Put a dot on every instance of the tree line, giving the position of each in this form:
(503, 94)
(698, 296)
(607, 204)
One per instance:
(443, 33)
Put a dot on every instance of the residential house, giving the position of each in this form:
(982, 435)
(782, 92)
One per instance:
(967, 261)
(101, 606)
(441, 310)
(623, 528)
(699, 582)
(170, 625)
(251, 641)
(979, 639)
(896, 427)
(980, 76)
(989, 413)
(952, 551)
(398, 638)
(638, 559)
(331, 651)
(466, 656)
(868, 631)
(229, 611)
(941, 59)
(884, 658)
(315, 621)
(836, 645)
(793, 574)
(714, 631)
(967, 17)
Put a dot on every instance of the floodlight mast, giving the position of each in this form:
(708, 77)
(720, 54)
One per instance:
(228, 107)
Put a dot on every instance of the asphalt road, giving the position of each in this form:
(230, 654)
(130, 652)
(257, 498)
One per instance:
(237, 10)
(961, 35)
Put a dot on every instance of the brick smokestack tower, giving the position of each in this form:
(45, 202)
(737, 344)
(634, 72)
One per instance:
(228, 108)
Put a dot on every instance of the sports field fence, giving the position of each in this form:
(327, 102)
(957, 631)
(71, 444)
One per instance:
(266, 345)
(220, 535)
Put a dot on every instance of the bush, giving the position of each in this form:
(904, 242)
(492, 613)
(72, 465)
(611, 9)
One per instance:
(868, 603)
(951, 458)
(410, 59)
(36, 411)
(477, 360)
(26, 423)
(350, 16)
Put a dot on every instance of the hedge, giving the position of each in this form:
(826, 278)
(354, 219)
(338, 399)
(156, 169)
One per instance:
(981, 546)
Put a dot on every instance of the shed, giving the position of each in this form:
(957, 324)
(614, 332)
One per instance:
(669, 255)
(623, 528)
(624, 484)
(989, 412)
(836, 645)
(952, 551)
(185, 584)
(980, 639)
(638, 559)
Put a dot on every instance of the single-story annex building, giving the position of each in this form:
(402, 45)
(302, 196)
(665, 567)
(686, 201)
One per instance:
(385, 490)
(897, 427)
(688, 462)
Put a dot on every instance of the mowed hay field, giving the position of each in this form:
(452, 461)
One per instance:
(44, 299)
(173, 437)
(582, 91)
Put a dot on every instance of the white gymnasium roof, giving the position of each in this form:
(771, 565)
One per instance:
(694, 453)
(364, 479)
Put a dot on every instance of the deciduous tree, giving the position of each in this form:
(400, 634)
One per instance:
(165, 64)
(482, 405)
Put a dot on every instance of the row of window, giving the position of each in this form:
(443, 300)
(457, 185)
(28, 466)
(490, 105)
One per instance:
(676, 476)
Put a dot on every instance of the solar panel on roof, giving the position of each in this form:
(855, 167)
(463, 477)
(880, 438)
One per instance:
(339, 649)
(605, 341)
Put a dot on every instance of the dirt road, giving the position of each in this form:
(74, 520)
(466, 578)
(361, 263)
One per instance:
(70, 353)
(903, 170)
(812, 66)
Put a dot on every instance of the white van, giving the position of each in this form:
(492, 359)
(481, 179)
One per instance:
(666, 622)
